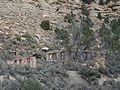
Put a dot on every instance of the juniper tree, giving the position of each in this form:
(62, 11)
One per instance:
(78, 36)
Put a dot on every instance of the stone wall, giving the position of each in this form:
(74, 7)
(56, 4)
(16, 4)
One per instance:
(24, 61)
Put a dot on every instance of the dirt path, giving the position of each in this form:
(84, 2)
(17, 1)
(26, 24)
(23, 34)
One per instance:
(75, 78)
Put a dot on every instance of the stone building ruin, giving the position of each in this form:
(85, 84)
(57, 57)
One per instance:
(66, 55)
(24, 61)
(57, 55)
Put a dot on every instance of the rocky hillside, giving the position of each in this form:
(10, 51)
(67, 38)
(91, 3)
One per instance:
(21, 16)
(28, 25)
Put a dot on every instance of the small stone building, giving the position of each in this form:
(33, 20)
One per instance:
(55, 55)
(65, 55)
(25, 61)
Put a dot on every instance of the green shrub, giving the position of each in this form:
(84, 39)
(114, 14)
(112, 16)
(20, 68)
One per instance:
(18, 38)
(110, 37)
(84, 10)
(45, 25)
(102, 2)
(106, 20)
(88, 1)
(87, 32)
(26, 35)
(89, 74)
(99, 16)
(107, 1)
(68, 18)
(63, 35)
(30, 85)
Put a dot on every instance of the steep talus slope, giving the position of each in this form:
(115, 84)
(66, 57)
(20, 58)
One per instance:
(20, 16)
